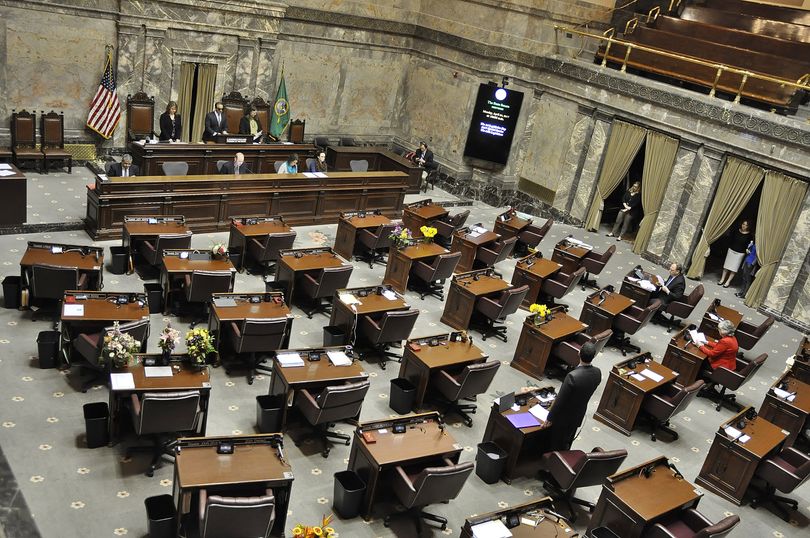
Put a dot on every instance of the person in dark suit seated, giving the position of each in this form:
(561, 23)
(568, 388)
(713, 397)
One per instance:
(125, 168)
(170, 126)
(215, 123)
(424, 157)
(237, 166)
(569, 407)
(672, 288)
(250, 123)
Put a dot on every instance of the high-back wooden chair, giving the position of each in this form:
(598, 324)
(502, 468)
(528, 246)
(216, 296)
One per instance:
(140, 116)
(235, 107)
(264, 112)
(52, 131)
(297, 128)
(24, 138)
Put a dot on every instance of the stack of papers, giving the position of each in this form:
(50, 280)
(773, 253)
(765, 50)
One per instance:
(73, 310)
(539, 412)
(697, 337)
(646, 372)
(348, 299)
(157, 371)
(493, 528)
(338, 358)
(390, 295)
(785, 395)
(4, 173)
(549, 398)
(287, 360)
(714, 317)
(5, 166)
(647, 285)
(224, 301)
(638, 377)
(122, 381)
(736, 434)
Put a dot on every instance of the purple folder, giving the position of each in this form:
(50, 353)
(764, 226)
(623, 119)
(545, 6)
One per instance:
(523, 420)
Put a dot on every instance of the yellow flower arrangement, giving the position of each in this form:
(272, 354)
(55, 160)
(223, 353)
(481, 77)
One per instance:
(428, 231)
(540, 311)
(304, 531)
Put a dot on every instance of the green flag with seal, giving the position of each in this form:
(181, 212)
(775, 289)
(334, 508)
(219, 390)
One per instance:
(281, 111)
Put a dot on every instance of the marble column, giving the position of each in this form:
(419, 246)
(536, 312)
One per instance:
(158, 73)
(593, 163)
(264, 70)
(129, 72)
(245, 81)
(573, 161)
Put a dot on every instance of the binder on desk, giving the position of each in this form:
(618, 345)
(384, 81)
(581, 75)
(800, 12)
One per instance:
(523, 420)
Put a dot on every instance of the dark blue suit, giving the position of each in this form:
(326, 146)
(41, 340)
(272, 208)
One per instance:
(569, 407)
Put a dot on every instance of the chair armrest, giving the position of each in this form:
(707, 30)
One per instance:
(369, 320)
(726, 377)
(202, 502)
(258, 244)
(659, 531)
(187, 280)
(82, 281)
(308, 399)
(404, 477)
(136, 404)
(235, 329)
(149, 245)
(311, 280)
(694, 519)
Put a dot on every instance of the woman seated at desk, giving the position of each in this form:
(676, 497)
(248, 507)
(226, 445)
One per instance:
(318, 164)
(250, 123)
(290, 166)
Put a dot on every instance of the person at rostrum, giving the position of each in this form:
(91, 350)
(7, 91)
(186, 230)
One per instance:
(722, 353)
(318, 164)
(125, 168)
(237, 166)
(215, 123)
(250, 123)
(737, 245)
(631, 205)
(170, 126)
(290, 166)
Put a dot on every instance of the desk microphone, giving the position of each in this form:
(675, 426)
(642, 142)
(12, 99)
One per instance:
(675, 470)
(280, 452)
(602, 297)
(442, 425)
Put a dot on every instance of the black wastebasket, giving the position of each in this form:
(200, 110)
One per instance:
(161, 514)
(268, 413)
(349, 492)
(403, 395)
(333, 336)
(95, 424)
(154, 295)
(490, 462)
(11, 292)
(119, 259)
(48, 348)
(603, 532)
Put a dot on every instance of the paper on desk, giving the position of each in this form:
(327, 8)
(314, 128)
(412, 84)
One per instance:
(474, 234)
(157, 371)
(309, 175)
(734, 433)
(632, 279)
(646, 372)
(539, 412)
(698, 338)
(348, 299)
(5, 166)
(338, 358)
(224, 301)
(73, 310)
(122, 381)
(494, 528)
(4, 173)
(320, 174)
(638, 377)
(647, 285)
(549, 398)
(714, 317)
(785, 395)
(390, 295)
(744, 438)
(287, 360)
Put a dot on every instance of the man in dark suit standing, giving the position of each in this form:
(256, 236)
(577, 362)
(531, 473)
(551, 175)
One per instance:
(237, 166)
(125, 168)
(569, 407)
(215, 123)
(672, 288)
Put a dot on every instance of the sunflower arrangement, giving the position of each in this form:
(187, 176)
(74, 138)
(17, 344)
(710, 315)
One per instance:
(541, 312)
(305, 531)
(119, 348)
(199, 343)
(429, 232)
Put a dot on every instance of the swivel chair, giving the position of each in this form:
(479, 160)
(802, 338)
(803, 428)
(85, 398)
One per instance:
(567, 351)
(560, 284)
(690, 523)
(491, 311)
(593, 263)
(684, 307)
(153, 253)
(730, 380)
(429, 279)
(375, 244)
(89, 346)
(49, 283)
(785, 472)
(236, 517)
(666, 402)
(359, 165)
(392, 327)
(630, 322)
(445, 228)
(474, 379)
(530, 236)
(255, 336)
(200, 285)
(334, 403)
(175, 168)
(323, 287)
(748, 335)
(489, 257)
(264, 251)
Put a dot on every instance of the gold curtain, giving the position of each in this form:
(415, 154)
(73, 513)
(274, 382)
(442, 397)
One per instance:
(206, 81)
(625, 141)
(659, 157)
(782, 199)
(184, 97)
(738, 182)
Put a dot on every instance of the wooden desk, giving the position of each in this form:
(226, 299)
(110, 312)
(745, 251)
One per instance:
(510, 227)
(400, 261)
(708, 326)
(13, 192)
(468, 245)
(256, 463)
(271, 306)
(730, 465)
(465, 291)
(569, 255)
(88, 260)
(245, 228)
(175, 268)
(523, 446)
(685, 358)
(623, 395)
(535, 343)
(631, 503)
(422, 213)
(801, 361)
(550, 527)
(533, 270)
(598, 314)
(418, 366)
(349, 224)
(314, 376)
(371, 304)
(791, 416)
(423, 442)
(149, 228)
(185, 377)
(292, 264)
(633, 290)
(379, 158)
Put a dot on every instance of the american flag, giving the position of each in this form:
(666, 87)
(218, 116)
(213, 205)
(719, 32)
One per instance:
(105, 110)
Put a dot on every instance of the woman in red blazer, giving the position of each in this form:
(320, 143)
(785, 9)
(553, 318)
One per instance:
(723, 353)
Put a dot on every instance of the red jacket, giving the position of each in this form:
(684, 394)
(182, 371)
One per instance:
(723, 353)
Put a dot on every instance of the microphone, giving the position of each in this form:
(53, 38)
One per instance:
(678, 474)
(442, 425)
(602, 297)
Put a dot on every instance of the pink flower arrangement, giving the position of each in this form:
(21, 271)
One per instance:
(169, 338)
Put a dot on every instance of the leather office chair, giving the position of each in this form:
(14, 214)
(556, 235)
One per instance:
(531, 235)
(683, 308)
(277, 165)
(567, 352)
(321, 141)
(785, 472)
(220, 164)
(175, 168)
(730, 380)
(445, 228)
(256, 336)
(89, 346)
(666, 402)
(334, 403)
(494, 310)
(375, 244)
(416, 488)
(348, 141)
(690, 523)
(593, 263)
(472, 380)
(571, 469)
(49, 282)
(489, 257)
(324, 286)
(153, 253)
(393, 326)
(308, 162)
(236, 517)
(359, 165)
(630, 322)
(429, 279)
(560, 284)
(264, 251)
(748, 335)
(159, 413)
(200, 285)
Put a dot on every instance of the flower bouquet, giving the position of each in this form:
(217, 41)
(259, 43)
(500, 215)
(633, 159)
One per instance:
(541, 313)
(119, 348)
(167, 341)
(429, 232)
(200, 344)
(219, 251)
(304, 531)
(401, 236)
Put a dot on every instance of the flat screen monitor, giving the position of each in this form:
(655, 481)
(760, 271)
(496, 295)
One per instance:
(492, 125)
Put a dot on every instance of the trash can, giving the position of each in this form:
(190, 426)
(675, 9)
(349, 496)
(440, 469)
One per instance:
(95, 424)
(490, 462)
(119, 259)
(403, 395)
(48, 348)
(268, 413)
(11, 292)
(161, 514)
(154, 295)
(349, 492)
(333, 336)
(603, 532)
